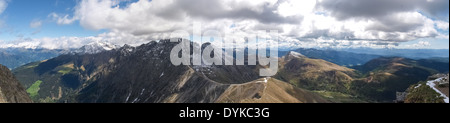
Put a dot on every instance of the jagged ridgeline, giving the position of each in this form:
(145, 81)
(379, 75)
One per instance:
(145, 74)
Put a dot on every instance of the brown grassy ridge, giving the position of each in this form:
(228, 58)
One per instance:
(274, 91)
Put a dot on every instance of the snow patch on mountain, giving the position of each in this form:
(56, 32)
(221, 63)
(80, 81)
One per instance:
(296, 54)
(95, 47)
(433, 86)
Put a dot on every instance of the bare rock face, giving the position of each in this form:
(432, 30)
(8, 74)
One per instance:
(11, 91)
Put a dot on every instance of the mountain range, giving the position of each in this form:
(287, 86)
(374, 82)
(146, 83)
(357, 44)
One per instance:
(15, 57)
(144, 74)
(405, 53)
(104, 73)
(342, 58)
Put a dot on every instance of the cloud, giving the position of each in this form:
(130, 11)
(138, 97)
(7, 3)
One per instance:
(305, 23)
(424, 43)
(3, 5)
(345, 9)
(442, 25)
(399, 22)
(35, 24)
(50, 43)
(118, 38)
(295, 7)
(62, 20)
(420, 44)
(168, 15)
(262, 10)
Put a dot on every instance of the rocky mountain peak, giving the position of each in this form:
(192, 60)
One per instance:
(95, 47)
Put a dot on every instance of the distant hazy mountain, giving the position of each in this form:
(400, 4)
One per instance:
(15, 57)
(359, 56)
(406, 53)
(343, 58)
(11, 91)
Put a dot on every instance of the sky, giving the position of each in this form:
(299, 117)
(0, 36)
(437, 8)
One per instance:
(65, 24)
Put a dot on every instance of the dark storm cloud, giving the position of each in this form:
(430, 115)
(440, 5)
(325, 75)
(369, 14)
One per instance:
(345, 9)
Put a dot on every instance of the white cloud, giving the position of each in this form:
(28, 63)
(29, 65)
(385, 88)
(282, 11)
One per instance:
(137, 18)
(118, 38)
(145, 16)
(305, 23)
(61, 20)
(424, 43)
(443, 36)
(35, 24)
(3, 5)
(442, 25)
(296, 7)
(418, 45)
(49, 43)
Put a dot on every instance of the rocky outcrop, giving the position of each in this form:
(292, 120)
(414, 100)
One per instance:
(11, 91)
